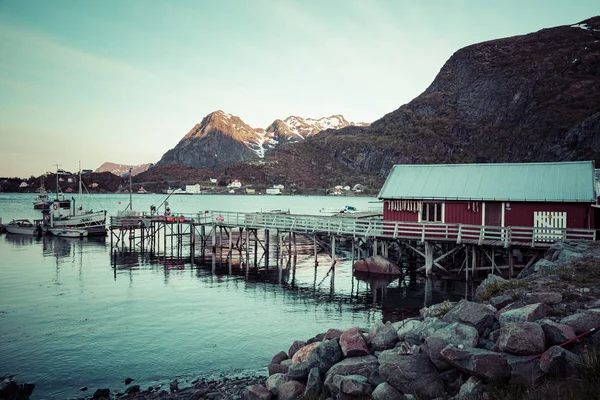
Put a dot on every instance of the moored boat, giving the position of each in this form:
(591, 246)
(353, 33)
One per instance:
(68, 232)
(23, 227)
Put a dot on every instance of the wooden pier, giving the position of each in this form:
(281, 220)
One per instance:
(218, 235)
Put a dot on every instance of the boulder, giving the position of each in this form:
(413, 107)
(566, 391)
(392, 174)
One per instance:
(298, 344)
(521, 338)
(330, 354)
(452, 379)
(353, 344)
(383, 337)
(470, 313)
(556, 333)
(429, 326)
(457, 334)
(405, 348)
(278, 368)
(353, 385)
(407, 328)
(528, 313)
(583, 321)
(550, 298)
(486, 364)
(385, 391)
(541, 267)
(501, 301)
(314, 385)
(291, 390)
(481, 292)
(365, 366)
(437, 310)
(257, 392)
(332, 334)
(101, 393)
(279, 357)
(377, 265)
(473, 388)
(559, 362)
(303, 353)
(274, 381)
(525, 372)
(414, 374)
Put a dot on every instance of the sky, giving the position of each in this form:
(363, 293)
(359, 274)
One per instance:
(124, 80)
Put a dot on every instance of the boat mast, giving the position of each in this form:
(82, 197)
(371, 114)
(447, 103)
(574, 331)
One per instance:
(57, 165)
(130, 195)
(79, 199)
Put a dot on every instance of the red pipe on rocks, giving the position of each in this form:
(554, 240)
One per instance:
(568, 341)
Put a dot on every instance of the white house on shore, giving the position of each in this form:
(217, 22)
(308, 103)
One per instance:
(23, 184)
(192, 189)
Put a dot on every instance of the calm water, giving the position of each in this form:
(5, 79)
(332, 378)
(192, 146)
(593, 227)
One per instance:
(68, 319)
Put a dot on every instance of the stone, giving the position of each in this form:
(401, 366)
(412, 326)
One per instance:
(353, 344)
(303, 353)
(429, 326)
(501, 301)
(353, 385)
(528, 313)
(257, 392)
(279, 357)
(383, 337)
(456, 334)
(555, 332)
(541, 267)
(414, 374)
(405, 348)
(437, 310)
(132, 390)
(470, 313)
(128, 381)
(298, 344)
(481, 291)
(314, 385)
(291, 390)
(174, 386)
(407, 328)
(101, 393)
(550, 298)
(274, 381)
(332, 334)
(278, 368)
(567, 256)
(452, 379)
(525, 372)
(583, 321)
(559, 362)
(365, 366)
(521, 338)
(377, 265)
(385, 391)
(486, 364)
(330, 354)
(473, 388)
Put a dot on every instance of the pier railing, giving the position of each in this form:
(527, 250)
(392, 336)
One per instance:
(376, 228)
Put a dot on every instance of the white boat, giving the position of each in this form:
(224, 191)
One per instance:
(339, 210)
(276, 211)
(22, 227)
(68, 232)
(142, 190)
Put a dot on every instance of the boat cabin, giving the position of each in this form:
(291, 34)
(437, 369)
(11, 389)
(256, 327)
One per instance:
(539, 195)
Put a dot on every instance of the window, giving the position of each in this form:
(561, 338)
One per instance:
(431, 212)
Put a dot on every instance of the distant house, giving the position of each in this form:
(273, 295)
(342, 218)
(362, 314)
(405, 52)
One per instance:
(273, 190)
(86, 171)
(250, 190)
(337, 191)
(280, 187)
(235, 183)
(70, 180)
(94, 185)
(192, 189)
(23, 184)
(358, 188)
(213, 180)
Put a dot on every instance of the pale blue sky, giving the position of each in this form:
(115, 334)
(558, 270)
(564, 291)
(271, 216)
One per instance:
(125, 80)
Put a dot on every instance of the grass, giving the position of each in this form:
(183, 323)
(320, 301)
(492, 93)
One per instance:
(585, 385)
(583, 272)
(497, 288)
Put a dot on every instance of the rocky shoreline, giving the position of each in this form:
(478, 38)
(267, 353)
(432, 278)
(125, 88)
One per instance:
(519, 333)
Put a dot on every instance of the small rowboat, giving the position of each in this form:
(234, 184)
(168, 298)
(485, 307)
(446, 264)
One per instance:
(68, 232)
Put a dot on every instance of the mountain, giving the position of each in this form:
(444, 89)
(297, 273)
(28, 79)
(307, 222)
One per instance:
(122, 169)
(223, 139)
(528, 98)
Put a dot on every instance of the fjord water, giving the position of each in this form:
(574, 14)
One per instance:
(68, 319)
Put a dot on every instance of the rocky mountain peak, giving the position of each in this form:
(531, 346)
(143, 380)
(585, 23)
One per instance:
(219, 122)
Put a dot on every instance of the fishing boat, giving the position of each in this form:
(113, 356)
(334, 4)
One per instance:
(42, 200)
(339, 210)
(68, 232)
(23, 227)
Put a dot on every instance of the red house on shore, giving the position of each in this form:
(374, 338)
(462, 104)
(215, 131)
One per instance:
(538, 195)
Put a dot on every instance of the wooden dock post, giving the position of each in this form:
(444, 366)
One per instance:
(214, 248)
(267, 244)
(428, 258)
(315, 250)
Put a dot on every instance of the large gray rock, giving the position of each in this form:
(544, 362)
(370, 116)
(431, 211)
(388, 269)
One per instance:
(413, 374)
(457, 334)
(377, 265)
(330, 354)
(279, 357)
(352, 343)
(559, 362)
(365, 366)
(521, 338)
(298, 344)
(473, 389)
(524, 371)
(556, 333)
(314, 385)
(437, 310)
(385, 391)
(487, 365)
(292, 390)
(470, 313)
(482, 291)
(274, 381)
(407, 328)
(542, 267)
(383, 337)
(257, 392)
(332, 334)
(353, 385)
(305, 358)
(550, 298)
(528, 313)
(429, 326)
(583, 321)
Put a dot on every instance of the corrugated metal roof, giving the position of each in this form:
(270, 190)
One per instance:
(557, 181)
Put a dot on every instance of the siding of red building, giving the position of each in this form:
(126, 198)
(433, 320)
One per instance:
(579, 215)
(395, 215)
(462, 213)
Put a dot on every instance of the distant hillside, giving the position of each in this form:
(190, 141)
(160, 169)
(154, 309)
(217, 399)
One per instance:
(122, 169)
(223, 139)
